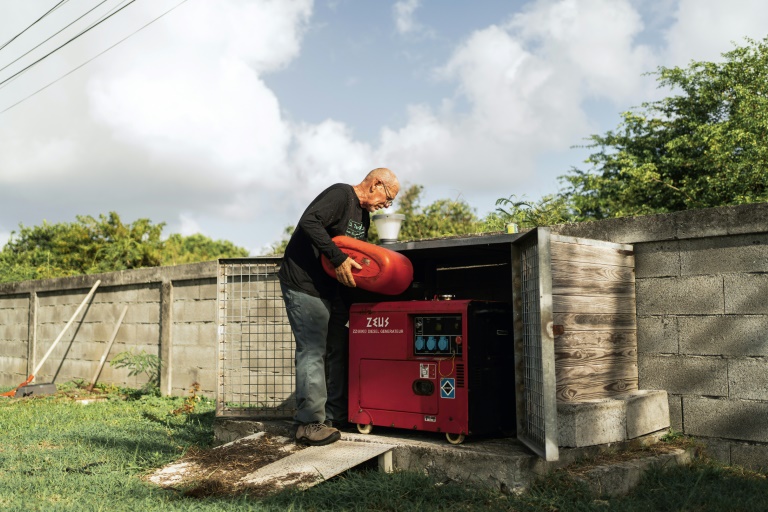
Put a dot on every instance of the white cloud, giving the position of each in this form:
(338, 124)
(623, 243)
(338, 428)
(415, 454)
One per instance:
(327, 153)
(526, 83)
(704, 29)
(405, 21)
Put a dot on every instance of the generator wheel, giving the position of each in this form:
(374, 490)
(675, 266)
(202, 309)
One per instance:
(455, 438)
(364, 428)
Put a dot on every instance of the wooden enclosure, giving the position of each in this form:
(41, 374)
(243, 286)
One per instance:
(593, 315)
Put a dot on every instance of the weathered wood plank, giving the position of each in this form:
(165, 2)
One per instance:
(599, 272)
(606, 389)
(586, 382)
(595, 322)
(594, 356)
(591, 254)
(585, 372)
(592, 304)
(573, 286)
(588, 339)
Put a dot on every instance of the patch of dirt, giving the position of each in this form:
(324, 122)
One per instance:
(219, 471)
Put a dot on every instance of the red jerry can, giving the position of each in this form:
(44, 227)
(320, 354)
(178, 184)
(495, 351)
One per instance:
(384, 271)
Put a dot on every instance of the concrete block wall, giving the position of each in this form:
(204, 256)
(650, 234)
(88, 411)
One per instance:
(14, 329)
(702, 320)
(171, 313)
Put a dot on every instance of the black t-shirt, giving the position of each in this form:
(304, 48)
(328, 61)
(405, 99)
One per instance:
(336, 211)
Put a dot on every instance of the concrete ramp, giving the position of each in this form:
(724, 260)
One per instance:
(315, 464)
(263, 463)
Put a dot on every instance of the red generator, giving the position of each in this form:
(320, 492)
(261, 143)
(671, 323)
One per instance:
(437, 366)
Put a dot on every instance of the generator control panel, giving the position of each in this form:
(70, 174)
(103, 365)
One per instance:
(437, 334)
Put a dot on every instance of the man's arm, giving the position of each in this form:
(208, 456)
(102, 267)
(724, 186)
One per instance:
(323, 213)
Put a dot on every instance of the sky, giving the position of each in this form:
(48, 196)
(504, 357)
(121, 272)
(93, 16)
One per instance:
(227, 117)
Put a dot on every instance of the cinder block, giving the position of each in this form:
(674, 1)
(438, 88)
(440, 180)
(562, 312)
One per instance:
(148, 334)
(13, 365)
(728, 335)
(208, 289)
(717, 449)
(208, 336)
(14, 316)
(698, 295)
(196, 357)
(591, 422)
(729, 419)
(647, 411)
(197, 311)
(148, 293)
(750, 456)
(14, 302)
(126, 333)
(657, 259)
(724, 255)
(748, 378)
(746, 293)
(610, 420)
(691, 375)
(143, 313)
(184, 377)
(676, 412)
(188, 290)
(13, 332)
(186, 334)
(657, 335)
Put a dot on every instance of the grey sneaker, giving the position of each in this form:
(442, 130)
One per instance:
(317, 434)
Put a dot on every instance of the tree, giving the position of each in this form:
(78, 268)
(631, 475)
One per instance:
(178, 249)
(444, 217)
(704, 146)
(106, 244)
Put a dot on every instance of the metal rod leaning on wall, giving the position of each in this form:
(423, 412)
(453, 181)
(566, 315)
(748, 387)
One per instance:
(64, 330)
(106, 352)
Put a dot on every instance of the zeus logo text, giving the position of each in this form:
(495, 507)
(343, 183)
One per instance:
(378, 321)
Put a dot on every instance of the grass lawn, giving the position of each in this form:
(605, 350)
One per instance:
(57, 454)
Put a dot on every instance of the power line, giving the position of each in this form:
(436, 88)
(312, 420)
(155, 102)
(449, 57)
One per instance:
(65, 44)
(54, 35)
(33, 23)
(94, 57)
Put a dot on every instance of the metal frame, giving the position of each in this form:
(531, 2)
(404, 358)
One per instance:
(535, 380)
(256, 349)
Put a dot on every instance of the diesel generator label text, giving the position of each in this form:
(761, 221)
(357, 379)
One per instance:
(377, 325)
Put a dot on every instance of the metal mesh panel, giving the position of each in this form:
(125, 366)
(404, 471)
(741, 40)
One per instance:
(533, 379)
(256, 345)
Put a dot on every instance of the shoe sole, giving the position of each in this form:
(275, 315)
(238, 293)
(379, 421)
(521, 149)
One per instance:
(322, 442)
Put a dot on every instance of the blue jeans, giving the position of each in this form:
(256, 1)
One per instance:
(322, 347)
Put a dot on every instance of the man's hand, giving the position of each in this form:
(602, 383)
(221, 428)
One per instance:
(344, 272)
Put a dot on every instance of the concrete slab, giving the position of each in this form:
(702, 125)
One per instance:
(501, 463)
(315, 464)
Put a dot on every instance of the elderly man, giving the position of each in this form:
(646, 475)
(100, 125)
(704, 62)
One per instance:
(318, 316)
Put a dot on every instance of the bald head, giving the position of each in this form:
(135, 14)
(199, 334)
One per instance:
(378, 189)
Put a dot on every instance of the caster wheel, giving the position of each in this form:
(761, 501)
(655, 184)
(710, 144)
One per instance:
(364, 428)
(455, 438)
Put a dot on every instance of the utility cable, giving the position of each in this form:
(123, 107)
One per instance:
(65, 44)
(54, 35)
(94, 57)
(33, 23)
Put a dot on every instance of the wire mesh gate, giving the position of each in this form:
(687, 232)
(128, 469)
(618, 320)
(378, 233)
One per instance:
(255, 344)
(536, 400)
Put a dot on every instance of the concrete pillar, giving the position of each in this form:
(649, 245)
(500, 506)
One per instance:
(166, 337)
(32, 332)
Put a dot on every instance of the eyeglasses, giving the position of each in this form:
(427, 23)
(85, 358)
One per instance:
(390, 199)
